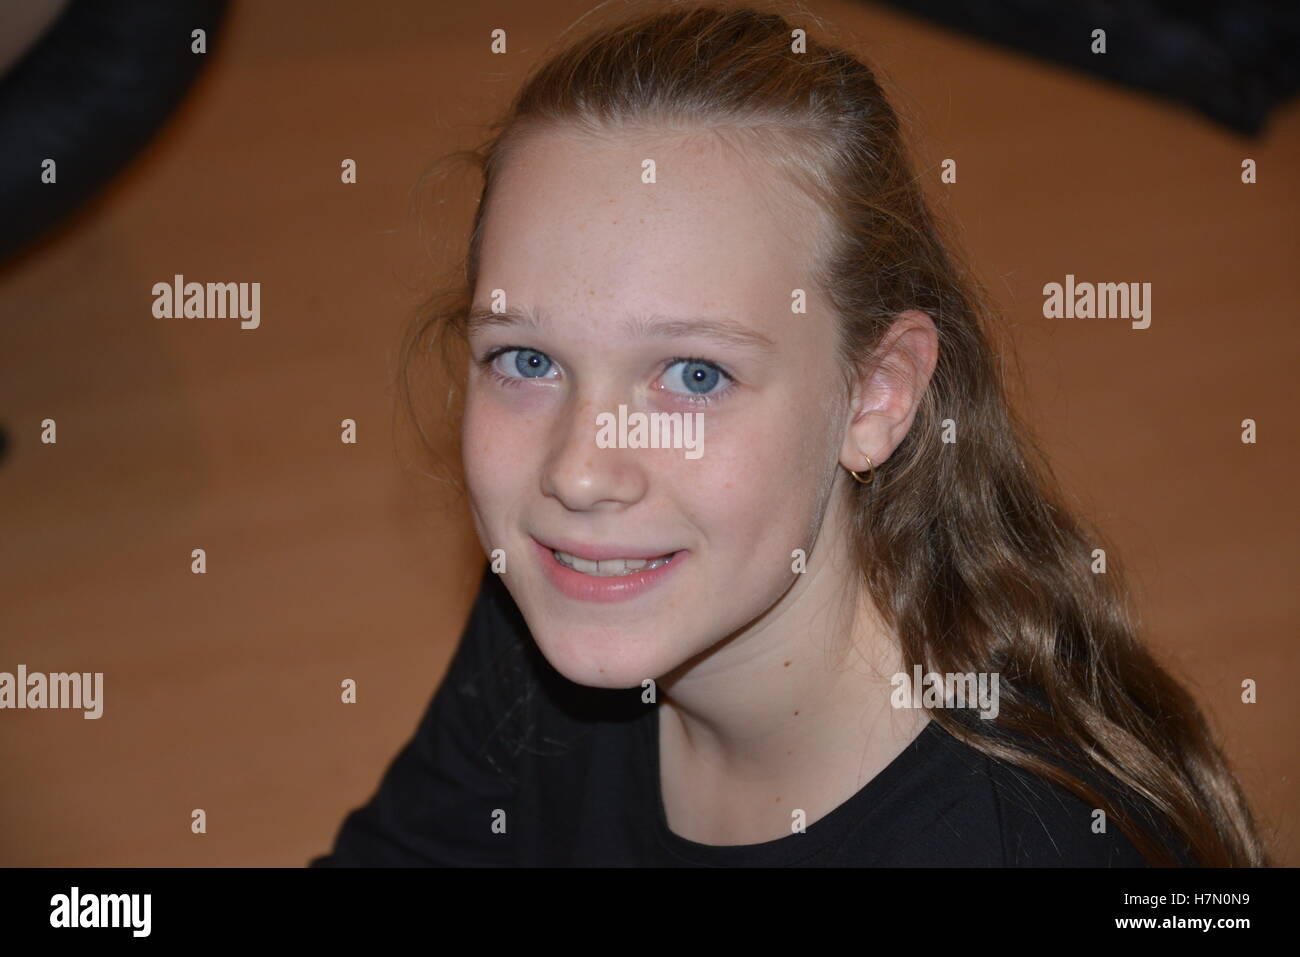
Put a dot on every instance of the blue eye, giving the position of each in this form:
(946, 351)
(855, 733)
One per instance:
(699, 377)
(529, 363)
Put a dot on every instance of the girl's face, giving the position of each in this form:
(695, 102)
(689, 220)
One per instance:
(673, 297)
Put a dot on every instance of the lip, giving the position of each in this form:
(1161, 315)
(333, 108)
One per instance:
(576, 585)
(596, 553)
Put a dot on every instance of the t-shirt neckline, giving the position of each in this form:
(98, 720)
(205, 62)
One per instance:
(791, 848)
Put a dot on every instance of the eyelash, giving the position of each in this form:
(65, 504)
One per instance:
(488, 363)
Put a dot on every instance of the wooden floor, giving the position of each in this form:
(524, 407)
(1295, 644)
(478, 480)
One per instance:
(328, 561)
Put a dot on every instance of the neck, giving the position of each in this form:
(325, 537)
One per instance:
(791, 712)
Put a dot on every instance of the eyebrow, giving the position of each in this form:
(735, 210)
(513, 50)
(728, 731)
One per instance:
(720, 329)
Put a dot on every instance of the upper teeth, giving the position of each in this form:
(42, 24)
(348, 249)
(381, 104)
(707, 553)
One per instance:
(610, 566)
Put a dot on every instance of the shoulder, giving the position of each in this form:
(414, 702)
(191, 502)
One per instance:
(1044, 824)
(964, 808)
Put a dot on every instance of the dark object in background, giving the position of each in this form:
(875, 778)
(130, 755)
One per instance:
(1233, 60)
(89, 94)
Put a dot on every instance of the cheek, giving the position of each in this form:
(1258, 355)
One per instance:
(762, 519)
(489, 432)
(758, 488)
(779, 488)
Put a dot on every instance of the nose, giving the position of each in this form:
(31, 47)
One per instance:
(580, 474)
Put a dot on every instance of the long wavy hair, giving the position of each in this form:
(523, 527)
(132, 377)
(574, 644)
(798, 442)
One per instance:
(966, 547)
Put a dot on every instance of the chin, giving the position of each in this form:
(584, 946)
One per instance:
(601, 659)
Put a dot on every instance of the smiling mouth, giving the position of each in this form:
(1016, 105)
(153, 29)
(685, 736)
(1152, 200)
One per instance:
(611, 567)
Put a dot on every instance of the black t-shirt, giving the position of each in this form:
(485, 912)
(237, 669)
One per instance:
(515, 765)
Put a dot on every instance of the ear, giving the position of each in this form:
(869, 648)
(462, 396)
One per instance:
(885, 398)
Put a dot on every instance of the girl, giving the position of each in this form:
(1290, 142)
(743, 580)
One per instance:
(777, 577)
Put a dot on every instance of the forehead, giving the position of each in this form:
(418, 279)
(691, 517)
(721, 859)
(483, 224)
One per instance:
(572, 224)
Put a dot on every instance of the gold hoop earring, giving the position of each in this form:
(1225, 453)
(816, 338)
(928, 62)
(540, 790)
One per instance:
(871, 472)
